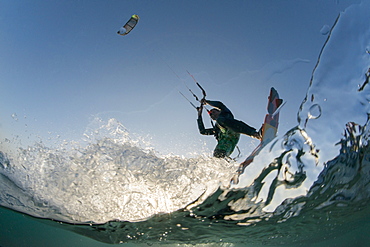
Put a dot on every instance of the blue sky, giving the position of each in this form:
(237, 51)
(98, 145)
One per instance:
(62, 64)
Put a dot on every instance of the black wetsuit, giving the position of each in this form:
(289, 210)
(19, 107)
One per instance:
(227, 121)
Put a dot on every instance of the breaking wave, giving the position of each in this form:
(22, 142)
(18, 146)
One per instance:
(111, 178)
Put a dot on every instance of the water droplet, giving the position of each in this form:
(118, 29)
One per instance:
(314, 111)
(325, 30)
(15, 117)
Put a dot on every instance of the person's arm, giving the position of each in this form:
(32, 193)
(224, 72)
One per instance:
(202, 129)
(218, 104)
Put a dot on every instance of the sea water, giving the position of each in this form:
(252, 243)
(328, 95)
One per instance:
(308, 187)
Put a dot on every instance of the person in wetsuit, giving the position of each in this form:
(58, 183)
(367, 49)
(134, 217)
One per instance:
(227, 130)
(226, 139)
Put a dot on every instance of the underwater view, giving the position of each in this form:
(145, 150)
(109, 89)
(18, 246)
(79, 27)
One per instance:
(95, 175)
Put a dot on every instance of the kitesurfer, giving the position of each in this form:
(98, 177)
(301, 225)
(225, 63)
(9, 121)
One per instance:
(227, 139)
(224, 118)
(227, 130)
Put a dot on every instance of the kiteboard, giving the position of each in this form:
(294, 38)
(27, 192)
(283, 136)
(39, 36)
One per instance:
(269, 130)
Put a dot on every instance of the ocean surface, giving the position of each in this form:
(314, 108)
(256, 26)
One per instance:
(308, 187)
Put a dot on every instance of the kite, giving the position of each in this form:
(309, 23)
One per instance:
(129, 25)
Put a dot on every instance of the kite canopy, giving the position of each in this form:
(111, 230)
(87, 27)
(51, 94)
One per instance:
(129, 25)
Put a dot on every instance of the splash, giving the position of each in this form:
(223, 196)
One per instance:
(289, 166)
(112, 177)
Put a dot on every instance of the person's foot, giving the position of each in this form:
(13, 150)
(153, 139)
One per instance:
(257, 135)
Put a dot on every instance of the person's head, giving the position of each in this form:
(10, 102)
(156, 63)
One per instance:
(214, 113)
